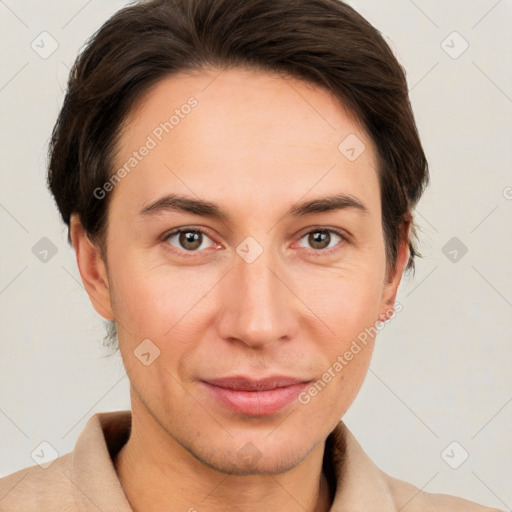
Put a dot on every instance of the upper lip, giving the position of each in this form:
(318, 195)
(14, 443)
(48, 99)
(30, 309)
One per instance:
(240, 383)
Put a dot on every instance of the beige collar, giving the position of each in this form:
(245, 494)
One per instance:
(360, 485)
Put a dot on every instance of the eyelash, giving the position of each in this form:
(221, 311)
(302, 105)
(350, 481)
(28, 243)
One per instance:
(194, 254)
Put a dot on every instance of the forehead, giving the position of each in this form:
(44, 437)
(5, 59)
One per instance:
(214, 130)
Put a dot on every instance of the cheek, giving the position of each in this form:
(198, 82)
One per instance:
(350, 308)
(347, 300)
(157, 301)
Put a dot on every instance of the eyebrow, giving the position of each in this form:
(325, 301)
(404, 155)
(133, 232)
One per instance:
(179, 203)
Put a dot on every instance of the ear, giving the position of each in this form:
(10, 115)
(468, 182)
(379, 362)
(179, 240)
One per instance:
(394, 277)
(92, 269)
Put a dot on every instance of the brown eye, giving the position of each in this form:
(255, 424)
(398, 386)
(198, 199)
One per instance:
(321, 239)
(189, 240)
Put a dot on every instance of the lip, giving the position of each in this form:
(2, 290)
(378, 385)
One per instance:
(255, 397)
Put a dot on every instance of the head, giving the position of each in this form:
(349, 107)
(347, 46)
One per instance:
(238, 179)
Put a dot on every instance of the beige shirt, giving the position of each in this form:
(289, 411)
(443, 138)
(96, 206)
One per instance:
(85, 479)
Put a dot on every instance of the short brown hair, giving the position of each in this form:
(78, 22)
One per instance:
(325, 42)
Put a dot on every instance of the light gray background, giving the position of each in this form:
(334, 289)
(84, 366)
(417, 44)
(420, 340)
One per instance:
(441, 370)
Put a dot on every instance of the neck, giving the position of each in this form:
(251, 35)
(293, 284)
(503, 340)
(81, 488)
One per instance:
(158, 474)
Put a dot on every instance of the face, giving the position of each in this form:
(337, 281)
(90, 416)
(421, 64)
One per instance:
(236, 315)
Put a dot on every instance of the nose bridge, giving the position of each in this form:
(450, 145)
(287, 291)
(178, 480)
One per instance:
(258, 306)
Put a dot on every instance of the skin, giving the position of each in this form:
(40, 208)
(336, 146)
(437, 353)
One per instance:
(255, 144)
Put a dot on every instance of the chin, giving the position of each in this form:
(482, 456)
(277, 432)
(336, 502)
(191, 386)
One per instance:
(248, 459)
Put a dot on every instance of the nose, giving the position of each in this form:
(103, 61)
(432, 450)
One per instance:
(259, 306)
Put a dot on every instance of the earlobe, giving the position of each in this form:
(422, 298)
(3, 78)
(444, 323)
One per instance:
(92, 269)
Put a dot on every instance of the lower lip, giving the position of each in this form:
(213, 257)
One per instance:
(256, 403)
